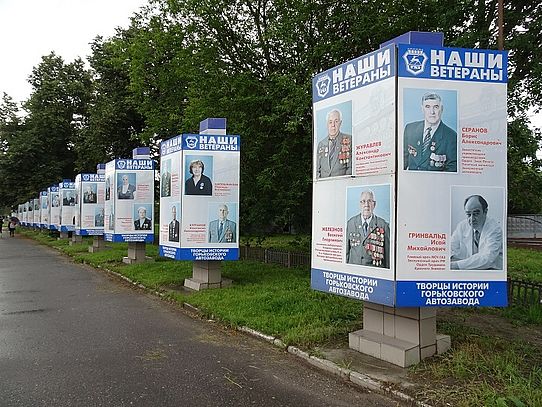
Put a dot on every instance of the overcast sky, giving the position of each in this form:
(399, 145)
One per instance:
(30, 29)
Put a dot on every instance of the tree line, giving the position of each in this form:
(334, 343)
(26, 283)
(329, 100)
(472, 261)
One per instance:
(251, 61)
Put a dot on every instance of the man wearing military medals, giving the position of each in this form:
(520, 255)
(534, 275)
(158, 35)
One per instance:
(334, 153)
(367, 235)
(430, 145)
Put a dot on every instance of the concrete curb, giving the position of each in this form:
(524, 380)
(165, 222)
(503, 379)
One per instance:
(356, 378)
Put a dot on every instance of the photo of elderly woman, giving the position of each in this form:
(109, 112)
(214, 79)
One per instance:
(198, 184)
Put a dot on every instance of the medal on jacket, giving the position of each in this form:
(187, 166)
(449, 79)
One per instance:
(412, 151)
(438, 160)
(344, 152)
(228, 235)
(374, 245)
(355, 239)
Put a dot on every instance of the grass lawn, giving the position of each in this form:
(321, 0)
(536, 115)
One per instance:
(496, 355)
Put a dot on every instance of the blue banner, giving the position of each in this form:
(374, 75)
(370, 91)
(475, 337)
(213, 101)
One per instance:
(134, 164)
(93, 177)
(89, 232)
(69, 228)
(119, 238)
(199, 254)
(376, 290)
(357, 73)
(205, 142)
(452, 293)
(458, 64)
(171, 145)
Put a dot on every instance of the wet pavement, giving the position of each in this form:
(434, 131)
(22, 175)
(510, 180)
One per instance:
(74, 336)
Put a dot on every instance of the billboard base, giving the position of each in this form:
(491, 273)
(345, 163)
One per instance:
(206, 274)
(402, 336)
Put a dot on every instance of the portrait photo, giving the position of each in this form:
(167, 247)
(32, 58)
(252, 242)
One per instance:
(198, 170)
(165, 178)
(90, 193)
(68, 197)
(222, 223)
(107, 189)
(430, 120)
(55, 200)
(142, 216)
(99, 216)
(368, 219)
(174, 224)
(333, 156)
(476, 228)
(126, 185)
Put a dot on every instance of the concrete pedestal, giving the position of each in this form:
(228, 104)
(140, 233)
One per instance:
(98, 244)
(136, 253)
(402, 336)
(76, 239)
(64, 235)
(206, 274)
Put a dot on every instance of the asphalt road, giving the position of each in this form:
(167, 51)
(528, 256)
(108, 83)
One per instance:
(74, 336)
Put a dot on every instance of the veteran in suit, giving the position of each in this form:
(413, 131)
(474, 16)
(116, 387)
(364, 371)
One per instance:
(477, 242)
(334, 153)
(173, 227)
(429, 144)
(222, 230)
(368, 236)
(126, 190)
(142, 223)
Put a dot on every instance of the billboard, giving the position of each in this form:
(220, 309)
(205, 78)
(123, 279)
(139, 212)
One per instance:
(89, 208)
(199, 197)
(67, 196)
(44, 210)
(129, 200)
(452, 191)
(54, 207)
(354, 178)
(409, 177)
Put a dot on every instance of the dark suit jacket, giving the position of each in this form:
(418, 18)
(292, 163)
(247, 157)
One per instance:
(325, 168)
(443, 143)
(173, 229)
(145, 226)
(203, 187)
(129, 193)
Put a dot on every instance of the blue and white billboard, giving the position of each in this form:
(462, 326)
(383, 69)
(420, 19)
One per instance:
(89, 209)
(354, 178)
(53, 197)
(426, 226)
(451, 198)
(67, 196)
(44, 210)
(129, 200)
(199, 197)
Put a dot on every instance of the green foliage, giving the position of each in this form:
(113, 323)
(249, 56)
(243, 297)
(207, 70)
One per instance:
(181, 61)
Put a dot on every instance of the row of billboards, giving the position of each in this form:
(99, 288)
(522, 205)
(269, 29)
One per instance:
(199, 199)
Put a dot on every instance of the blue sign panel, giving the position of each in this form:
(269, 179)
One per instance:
(451, 293)
(357, 73)
(458, 64)
(370, 289)
(199, 253)
(119, 238)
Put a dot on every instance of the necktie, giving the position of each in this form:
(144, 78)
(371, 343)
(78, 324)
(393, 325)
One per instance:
(332, 148)
(475, 242)
(426, 139)
(220, 228)
(365, 228)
